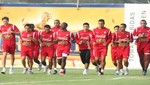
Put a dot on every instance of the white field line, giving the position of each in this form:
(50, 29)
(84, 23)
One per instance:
(37, 82)
(131, 77)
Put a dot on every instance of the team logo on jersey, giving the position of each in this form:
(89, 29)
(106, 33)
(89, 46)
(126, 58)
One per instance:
(104, 32)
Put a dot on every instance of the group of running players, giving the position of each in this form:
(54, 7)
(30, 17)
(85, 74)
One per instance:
(55, 44)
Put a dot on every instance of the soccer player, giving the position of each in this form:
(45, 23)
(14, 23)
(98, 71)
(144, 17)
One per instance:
(114, 47)
(123, 38)
(8, 32)
(143, 45)
(63, 38)
(28, 40)
(55, 29)
(102, 38)
(84, 40)
(46, 41)
(36, 48)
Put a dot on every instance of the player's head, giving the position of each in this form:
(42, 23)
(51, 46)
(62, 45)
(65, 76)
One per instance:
(101, 23)
(143, 23)
(32, 27)
(122, 27)
(64, 26)
(116, 28)
(47, 28)
(27, 28)
(5, 20)
(86, 26)
(57, 23)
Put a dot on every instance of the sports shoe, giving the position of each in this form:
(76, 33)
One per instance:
(126, 72)
(55, 72)
(30, 72)
(25, 70)
(11, 71)
(144, 72)
(99, 71)
(85, 72)
(39, 67)
(49, 72)
(45, 69)
(3, 71)
(117, 73)
(121, 73)
(61, 73)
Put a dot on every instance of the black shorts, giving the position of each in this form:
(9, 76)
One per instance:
(85, 56)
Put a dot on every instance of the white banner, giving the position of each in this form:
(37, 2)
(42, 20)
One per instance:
(134, 13)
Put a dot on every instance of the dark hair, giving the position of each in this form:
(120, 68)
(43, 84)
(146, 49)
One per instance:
(123, 24)
(116, 26)
(65, 24)
(143, 20)
(28, 25)
(101, 20)
(47, 26)
(86, 23)
(5, 18)
(57, 20)
(32, 26)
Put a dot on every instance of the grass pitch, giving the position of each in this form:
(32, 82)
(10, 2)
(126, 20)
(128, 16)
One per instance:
(74, 77)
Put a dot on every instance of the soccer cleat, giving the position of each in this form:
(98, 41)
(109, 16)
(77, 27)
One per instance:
(55, 72)
(45, 69)
(85, 72)
(126, 72)
(49, 72)
(121, 73)
(61, 73)
(25, 70)
(99, 71)
(116, 74)
(11, 71)
(39, 67)
(30, 72)
(144, 73)
(3, 71)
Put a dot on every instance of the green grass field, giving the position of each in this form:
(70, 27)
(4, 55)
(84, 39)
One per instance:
(74, 77)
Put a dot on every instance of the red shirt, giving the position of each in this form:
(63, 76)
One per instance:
(113, 44)
(101, 36)
(123, 36)
(38, 36)
(84, 36)
(64, 38)
(4, 30)
(55, 30)
(47, 37)
(24, 37)
(141, 41)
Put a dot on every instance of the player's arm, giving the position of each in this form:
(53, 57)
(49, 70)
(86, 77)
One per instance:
(15, 31)
(73, 40)
(77, 37)
(109, 39)
(93, 38)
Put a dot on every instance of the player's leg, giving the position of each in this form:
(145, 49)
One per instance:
(50, 60)
(55, 64)
(23, 61)
(146, 63)
(126, 64)
(30, 65)
(4, 56)
(103, 62)
(63, 64)
(43, 60)
(141, 57)
(36, 56)
(12, 58)
(59, 61)
(87, 61)
(83, 59)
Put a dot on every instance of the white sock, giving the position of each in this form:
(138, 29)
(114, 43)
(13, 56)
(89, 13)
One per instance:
(11, 67)
(62, 70)
(102, 70)
(117, 71)
(121, 70)
(4, 68)
(55, 68)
